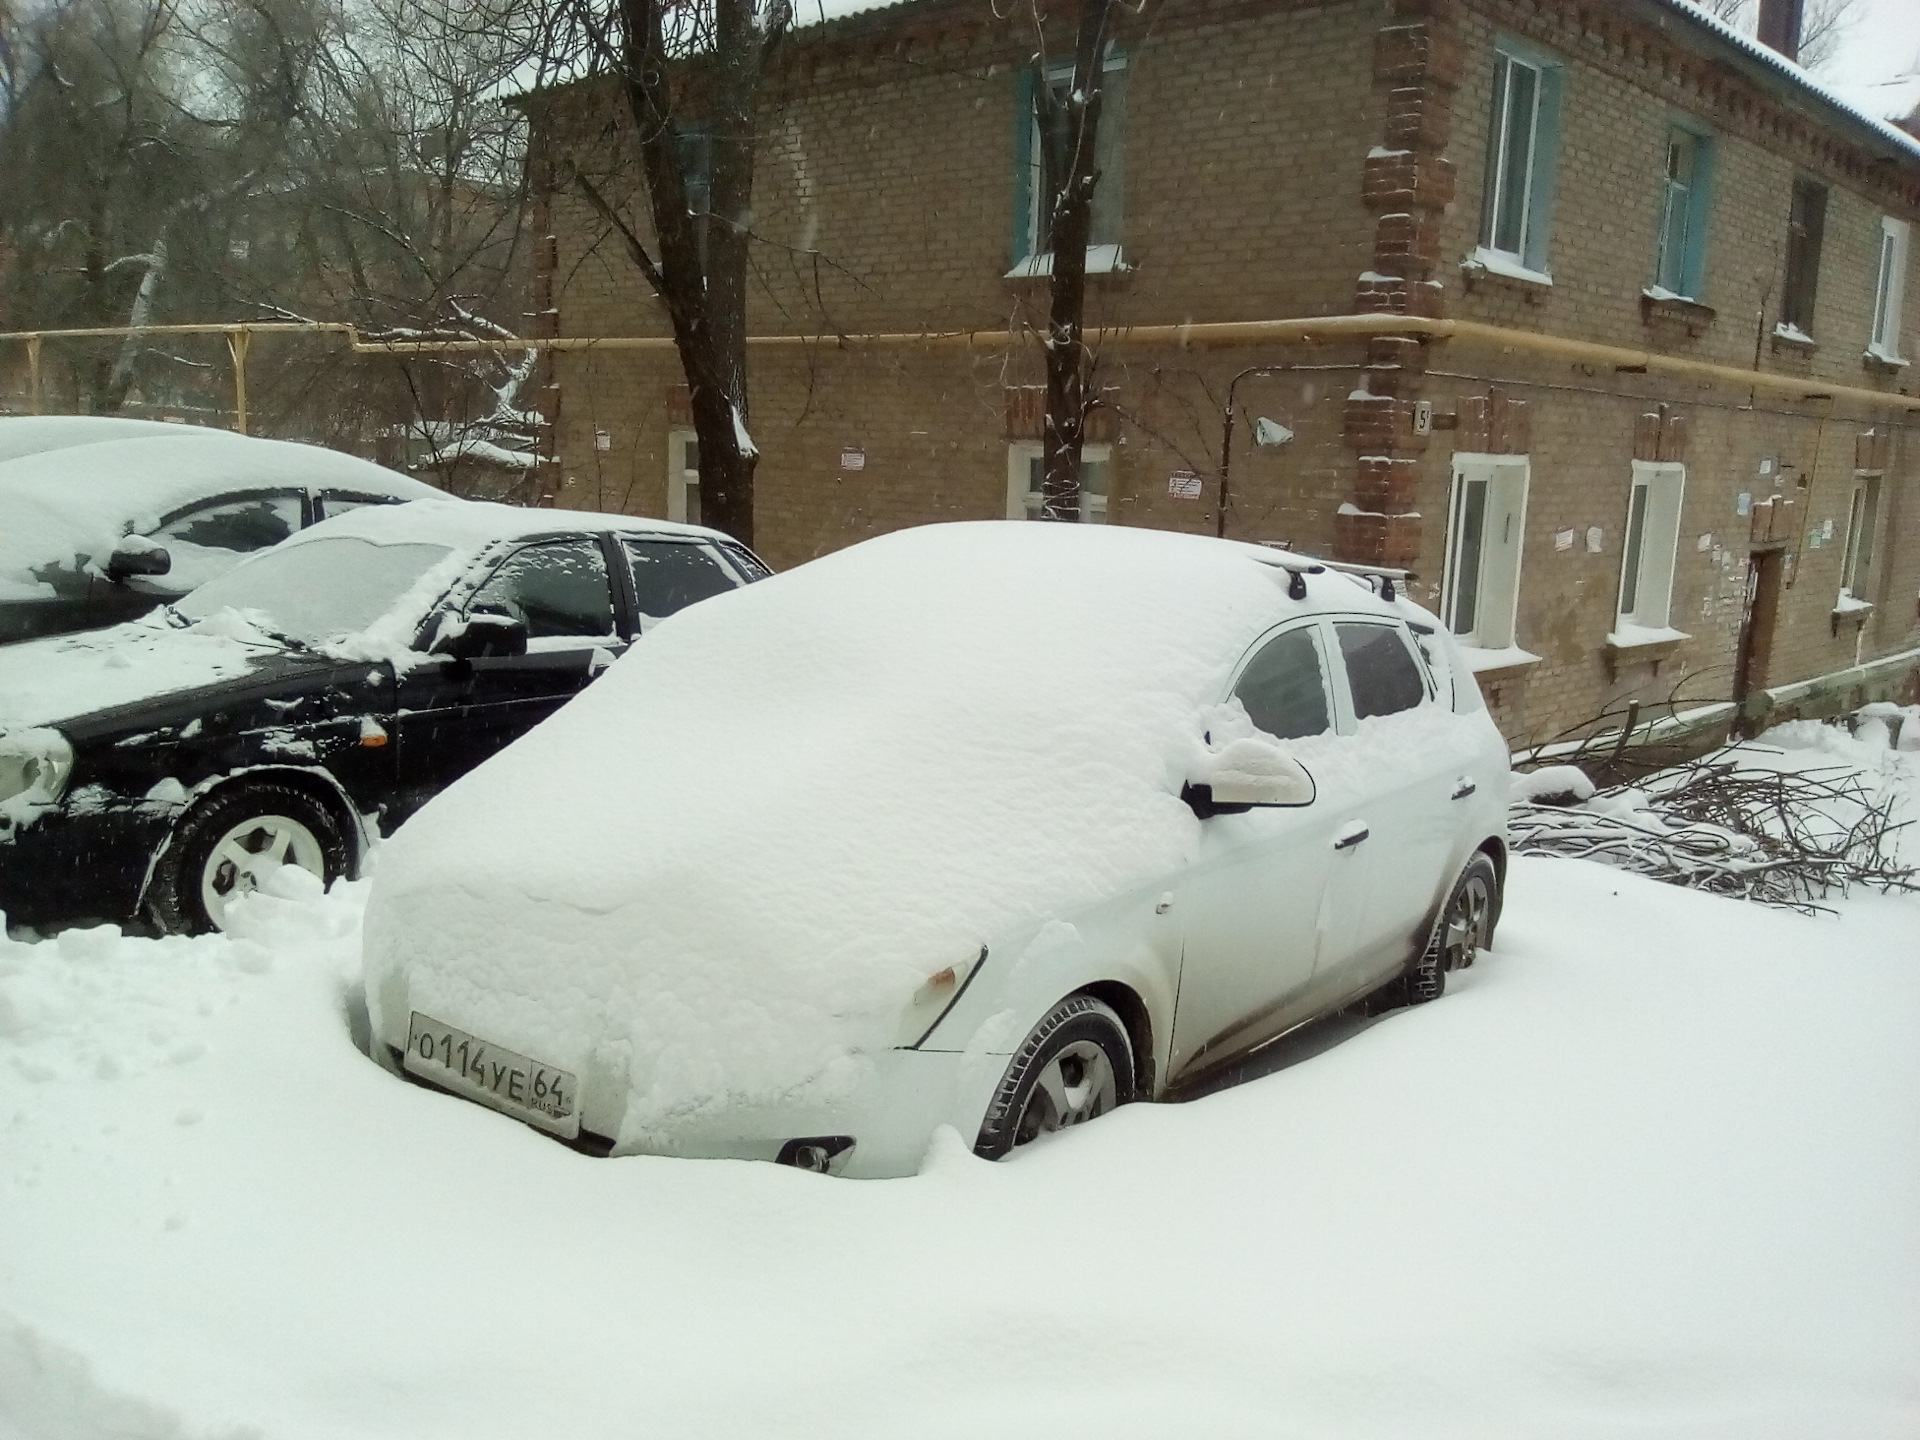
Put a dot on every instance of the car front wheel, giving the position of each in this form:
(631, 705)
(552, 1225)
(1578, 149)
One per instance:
(1074, 1066)
(232, 844)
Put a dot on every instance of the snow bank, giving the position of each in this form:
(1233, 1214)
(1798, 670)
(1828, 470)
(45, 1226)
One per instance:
(733, 860)
(78, 500)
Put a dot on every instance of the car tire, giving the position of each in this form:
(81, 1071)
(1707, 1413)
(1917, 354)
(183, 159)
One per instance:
(214, 852)
(1074, 1066)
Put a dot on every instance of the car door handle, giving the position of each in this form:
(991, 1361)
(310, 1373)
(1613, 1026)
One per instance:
(1351, 836)
(1462, 788)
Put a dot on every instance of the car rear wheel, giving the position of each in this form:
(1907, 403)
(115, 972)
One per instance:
(1465, 929)
(232, 844)
(1076, 1065)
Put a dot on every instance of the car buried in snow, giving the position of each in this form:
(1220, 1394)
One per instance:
(312, 697)
(986, 826)
(103, 519)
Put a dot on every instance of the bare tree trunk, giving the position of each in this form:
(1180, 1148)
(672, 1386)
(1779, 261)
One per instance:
(1069, 126)
(705, 299)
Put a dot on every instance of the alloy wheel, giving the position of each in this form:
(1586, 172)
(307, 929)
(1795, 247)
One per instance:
(249, 853)
(1076, 1085)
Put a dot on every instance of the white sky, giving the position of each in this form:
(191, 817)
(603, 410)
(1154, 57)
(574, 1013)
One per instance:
(1878, 65)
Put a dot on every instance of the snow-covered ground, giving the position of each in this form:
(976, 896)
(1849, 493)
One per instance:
(1652, 1168)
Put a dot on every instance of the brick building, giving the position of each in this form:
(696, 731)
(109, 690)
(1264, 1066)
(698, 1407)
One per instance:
(1589, 314)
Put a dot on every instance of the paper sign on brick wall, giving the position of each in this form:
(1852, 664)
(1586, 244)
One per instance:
(1563, 539)
(602, 440)
(1183, 485)
(853, 459)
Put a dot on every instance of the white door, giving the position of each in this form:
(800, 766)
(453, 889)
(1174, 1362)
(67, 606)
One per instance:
(1250, 907)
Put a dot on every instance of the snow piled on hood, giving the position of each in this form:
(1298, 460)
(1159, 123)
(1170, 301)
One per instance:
(732, 861)
(62, 677)
(78, 500)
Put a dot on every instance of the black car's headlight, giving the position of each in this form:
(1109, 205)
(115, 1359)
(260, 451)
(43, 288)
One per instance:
(34, 766)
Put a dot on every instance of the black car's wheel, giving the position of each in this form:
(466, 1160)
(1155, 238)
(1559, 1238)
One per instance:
(229, 845)
(1075, 1065)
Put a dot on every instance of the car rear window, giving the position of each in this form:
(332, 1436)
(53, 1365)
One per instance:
(1382, 674)
(1284, 687)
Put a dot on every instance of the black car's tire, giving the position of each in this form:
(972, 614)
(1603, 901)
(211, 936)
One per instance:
(1075, 1065)
(213, 849)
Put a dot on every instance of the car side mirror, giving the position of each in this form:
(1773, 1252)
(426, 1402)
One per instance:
(481, 634)
(137, 555)
(1250, 772)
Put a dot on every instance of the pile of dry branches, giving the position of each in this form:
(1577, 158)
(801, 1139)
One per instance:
(1718, 824)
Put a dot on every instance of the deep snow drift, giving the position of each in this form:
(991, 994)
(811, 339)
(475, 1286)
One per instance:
(1649, 1169)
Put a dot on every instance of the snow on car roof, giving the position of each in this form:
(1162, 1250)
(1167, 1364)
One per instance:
(36, 434)
(737, 855)
(469, 525)
(78, 500)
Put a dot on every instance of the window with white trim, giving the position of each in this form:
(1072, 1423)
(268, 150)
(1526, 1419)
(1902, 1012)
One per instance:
(1522, 136)
(1031, 252)
(1486, 523)
(1889, 290)
(1653, 541)
(683, 476)
(1863, 523)
(1026, 465)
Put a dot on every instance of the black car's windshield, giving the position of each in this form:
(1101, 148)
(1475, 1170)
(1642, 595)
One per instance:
(316, 590)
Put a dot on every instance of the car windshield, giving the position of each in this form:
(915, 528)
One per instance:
(316, 590)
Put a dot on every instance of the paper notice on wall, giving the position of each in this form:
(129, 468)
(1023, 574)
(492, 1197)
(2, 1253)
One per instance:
(1703, 544)
(1596, 537)
(1563, 539)
(602, 440)
(1183, 485)
(852, 458)
(1826, 528)
(1743, 503)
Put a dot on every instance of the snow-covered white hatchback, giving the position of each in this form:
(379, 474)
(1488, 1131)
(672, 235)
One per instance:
(983, 825)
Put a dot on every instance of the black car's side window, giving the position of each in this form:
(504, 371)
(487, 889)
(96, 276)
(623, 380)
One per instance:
(1284, 687)
(669, 575)
(1382, 674)
(558, 587)
(243, 525)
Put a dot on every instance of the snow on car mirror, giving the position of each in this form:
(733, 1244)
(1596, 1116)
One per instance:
(1251, 771)
(137, 555)
(481, 634)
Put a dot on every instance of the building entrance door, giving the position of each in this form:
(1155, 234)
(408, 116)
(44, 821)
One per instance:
(1757, 622)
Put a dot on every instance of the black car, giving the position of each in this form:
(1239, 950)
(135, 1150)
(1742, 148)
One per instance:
(102, 519)
(312, 698)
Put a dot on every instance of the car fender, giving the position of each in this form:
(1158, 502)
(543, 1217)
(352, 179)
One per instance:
(1129, 945)
(362, 830)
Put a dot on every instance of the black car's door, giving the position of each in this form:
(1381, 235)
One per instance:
(454, 714)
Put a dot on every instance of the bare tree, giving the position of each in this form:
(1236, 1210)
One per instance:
(688, 76)
(1067, 118)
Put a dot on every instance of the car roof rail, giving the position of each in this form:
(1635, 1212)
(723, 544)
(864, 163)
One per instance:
(1383, 580)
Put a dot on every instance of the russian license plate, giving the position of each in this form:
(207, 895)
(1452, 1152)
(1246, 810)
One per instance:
(529, 1090)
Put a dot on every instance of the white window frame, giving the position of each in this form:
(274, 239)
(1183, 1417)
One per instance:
(1889, 292)
(1023, 501)
(1501, 540)
(1863, 534)
(1529, 259)
(1647, 559)
(678, 476)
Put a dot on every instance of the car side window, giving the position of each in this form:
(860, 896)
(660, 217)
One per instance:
(243, 525)
(1382, 674)
(339, 502)
(557, 587)
(1284, 687)
(669, 575)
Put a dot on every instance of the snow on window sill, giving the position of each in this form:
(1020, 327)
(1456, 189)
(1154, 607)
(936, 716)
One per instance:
(1510, 657)
(1628, 636)
(1785, 334)
(1101, 260)
(1506, 267)
(1879, 359)
(1657, 303)
(1847, 605)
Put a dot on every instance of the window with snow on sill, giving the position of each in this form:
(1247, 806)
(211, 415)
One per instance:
(1101, 260)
